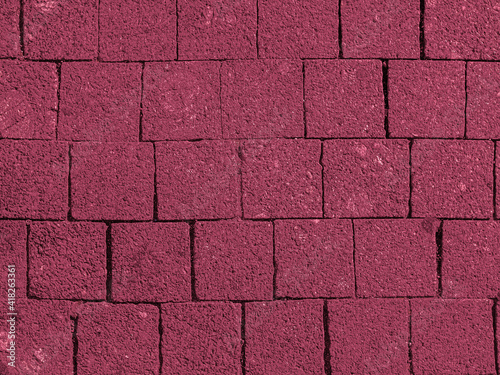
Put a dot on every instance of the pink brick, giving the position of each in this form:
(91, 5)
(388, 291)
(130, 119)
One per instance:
(137, 30)
(298, 29)
(201, 338)
(497, 179)
(151, 262)
(452, 336)
(282, 179)
(9, 24)
(198, 180)
(34, 177)
(427, 99)
(369, 336)
(365, 178)
(181, 101)
(233, 260)
(452, 178)
(112, 181)
(13, 245)
(67, 260)
(344, 99)
(381, 29)
(217, 29)
(100, 102)
(284, 337)
(314, 258)
(28, 100)
(262, 99)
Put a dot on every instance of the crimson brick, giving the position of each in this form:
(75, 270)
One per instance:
(452, 178)
(189, 329)
(262, 99)
(314, 258)
(181, 101)
(369, 336)
(197, 180)
(497, 179)
(13, 245)
(233, 260)
(9, 24)
(452, 336)
(427, 99)
(112, 181)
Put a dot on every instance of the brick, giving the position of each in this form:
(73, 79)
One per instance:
(396, 257)
(364, 178)
(294, 29)
(344, 99)
(369, 336)
(28, 100)
(181, 101)
(284, 337)
(118, 339)
(426, 99)
(13, 244)
(452, 179)
(314, 258)
(58, 31)
(452, 336)
(112, 181)
(381, 29)
(9, 24)
(137, 30)
(233, 260)
(217, 29)
(281, 179)
(34, 179)
(497, 180)
(198, 180)
(67, 260)
(189, 329)
(151, 262)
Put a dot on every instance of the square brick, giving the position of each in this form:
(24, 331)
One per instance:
(344, 99)
(151, 262)
(9, 24)
(369, 336)
(67, 260)
(112, 181)
(282, 179)
(396, 257)
(137, 30)
(452, 336)
(262, 99)
(33, 179)
(381, 29)
(284, 337)
(314, 258)
(217, 29)
(13, 244)
(28, 100)
(100, 102)
(55, 30)
(182, 101)
(198, 180)
(298, 29)
(201, 338)
(233, 260)
(452, 179)
(366, 178)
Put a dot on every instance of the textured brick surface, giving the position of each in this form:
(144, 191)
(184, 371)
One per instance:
(9, 24)
(13, 244)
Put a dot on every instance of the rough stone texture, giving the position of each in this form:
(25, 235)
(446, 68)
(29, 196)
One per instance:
(366, 178)
(112, 181)
(426, 99)
(314, 258)
(452, 336)
(13, 245)
(369, 336)
(281, 178)
(452, 178)
(181, 101)
(201, 338)
(198, 180)
(262, 99)
(151, 262)
(9, 24)
(233, 260)
(100, 102)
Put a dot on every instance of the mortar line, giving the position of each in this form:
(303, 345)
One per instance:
(155, 188)
(410, 338)
(75, 345)
(410, 193)
(192, 237)
(109, 262)
(28, 234)
(341, 51)
(160, 341)
(58, 68)
(240, 155)
(322, 179)
(354, 259)
(141, 111)
(385, 88)
(275, 265)
(326, 353)
(439, 258)
(421, 27)
(304, 98)
(70, 202)
(495, 337)
(243, 339)
(257, 32)
(21, 27)
(466, 99)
